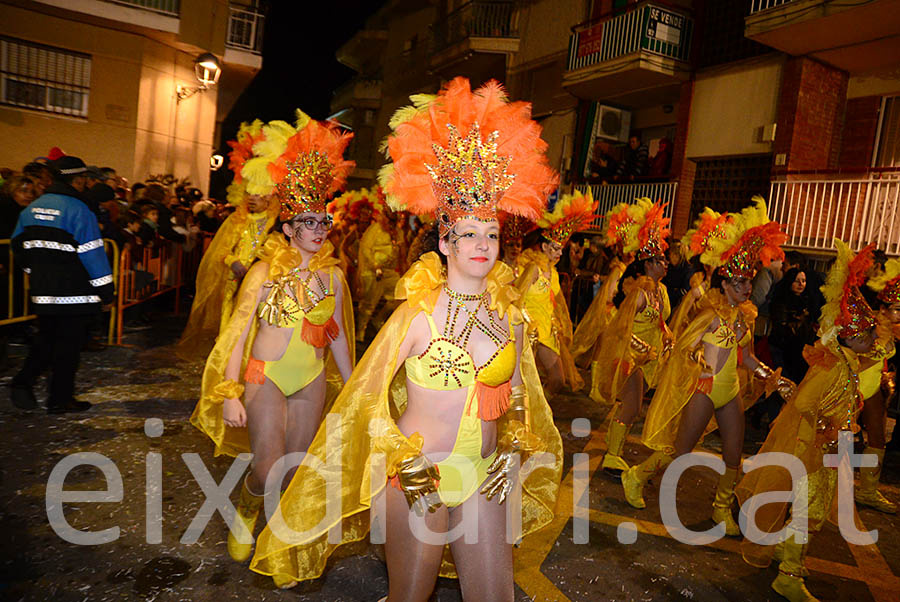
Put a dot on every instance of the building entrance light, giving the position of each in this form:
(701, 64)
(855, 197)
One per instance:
(207, 71)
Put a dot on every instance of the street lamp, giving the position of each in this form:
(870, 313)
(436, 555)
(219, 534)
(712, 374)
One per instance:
(207, 71)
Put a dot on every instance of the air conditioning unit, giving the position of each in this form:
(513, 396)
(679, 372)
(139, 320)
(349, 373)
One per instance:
(613, 123)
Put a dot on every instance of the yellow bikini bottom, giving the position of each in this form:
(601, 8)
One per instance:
(297, 367)
(723, 386)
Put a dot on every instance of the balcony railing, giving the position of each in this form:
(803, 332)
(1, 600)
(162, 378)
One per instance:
(608, 196)
(648, 27)
(758, 5)
(858, 211)
(475, 20)
(245, 30)
(165, 7)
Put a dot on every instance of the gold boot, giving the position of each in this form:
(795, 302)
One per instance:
(634, 479)
(722, 504)
(615, 441)
(779, 556)
(595, 383)
(789, 582)
(244, 523)
(284, 581)
(867, 493)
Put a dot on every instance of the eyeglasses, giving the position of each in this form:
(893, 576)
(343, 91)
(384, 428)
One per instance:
(312, 224)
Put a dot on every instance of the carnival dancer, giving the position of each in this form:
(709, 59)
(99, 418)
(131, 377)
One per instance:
(637, 339)
(355, 209)
(513, 229)
(876, 383)
(379, 264)
(826, 402)
(701, 378)
(538, 283)
(289, 344)
(230, 253)
(710, 224)
(467, 392)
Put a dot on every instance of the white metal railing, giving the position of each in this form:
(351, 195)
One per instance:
(648, 27)
(859, 212)
(166, 7)
(610, 195)
(758, 5)
(245, 30)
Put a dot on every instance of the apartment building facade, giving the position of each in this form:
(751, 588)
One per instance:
(119, 82)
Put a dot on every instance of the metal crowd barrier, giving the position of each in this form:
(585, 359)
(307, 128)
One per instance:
(15, 281)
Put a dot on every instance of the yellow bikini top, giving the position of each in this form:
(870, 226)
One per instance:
(724, 337)
(445, 366)
(282, 310)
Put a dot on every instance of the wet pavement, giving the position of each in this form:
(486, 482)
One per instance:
(144, 380)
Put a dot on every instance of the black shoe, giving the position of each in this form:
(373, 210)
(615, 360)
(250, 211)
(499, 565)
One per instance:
(22, 397)
(73, 405)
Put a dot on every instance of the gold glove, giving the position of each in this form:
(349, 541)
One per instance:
(516, 441)
(698, 356)
(775, 381)
(639, 346)
(418, 480)
(668, 342)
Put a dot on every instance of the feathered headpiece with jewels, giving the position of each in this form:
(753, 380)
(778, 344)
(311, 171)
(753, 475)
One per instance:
(710, 224)
(241, 151)
(271, 144)
(640, 227)
(846, 313)
(572, 213)
(514, 227)
(748, 238)
(311, 169)
(464, 154)
(887, 283)
(351, 203)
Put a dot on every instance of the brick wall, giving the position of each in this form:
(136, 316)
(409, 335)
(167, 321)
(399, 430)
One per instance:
(810, 114)
(683, 168)
(860, 125)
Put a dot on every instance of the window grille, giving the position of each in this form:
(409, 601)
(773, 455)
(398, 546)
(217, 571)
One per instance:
(44, 78)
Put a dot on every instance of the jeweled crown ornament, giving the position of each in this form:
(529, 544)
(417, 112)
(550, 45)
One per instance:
(572, 213)
(466, 154)
(641, 227)
(469, 178)
(750, 238)
(306, 185)
(846, 312)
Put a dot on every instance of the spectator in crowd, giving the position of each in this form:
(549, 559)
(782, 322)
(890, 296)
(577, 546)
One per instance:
(814, 280)
(97, 199)
(763, 286)
(17, 192)
(40, 174)
(792, 329)
(603, 164)
(205, 216)
(137, 192)
(94, 176)
(165, 203)
(662, 160)
(678, 278)
(57, 241)
(634, 164)
(149, 225)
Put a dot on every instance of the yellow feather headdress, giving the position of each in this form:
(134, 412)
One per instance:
(572, 213)
(748, 239)
(887, 283)
(640, 227)
(846, 312)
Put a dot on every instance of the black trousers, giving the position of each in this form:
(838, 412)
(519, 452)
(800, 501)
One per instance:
(56, 346)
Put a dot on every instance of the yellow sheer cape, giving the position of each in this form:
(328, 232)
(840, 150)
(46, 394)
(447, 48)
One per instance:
(548, 322)
(598, 315)
(367, 407)
(825, 402)
(686, 310)
(210, 303)
(680, 374)
(214, 387)
(615, 359)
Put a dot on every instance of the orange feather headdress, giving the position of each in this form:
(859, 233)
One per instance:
(641, 228)
(572, 213)
(747, 239)
(887, 283)
(514, 227)
(846, 312)
(464, 154)
(311, 168)
(710, 224)
(241, 151)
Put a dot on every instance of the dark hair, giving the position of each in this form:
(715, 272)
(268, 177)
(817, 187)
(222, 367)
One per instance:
(796, 258)
(36, 170)
(635, 269)
(147, 208)
(130, 217)
(782, 289)
(534, 238)
(717, 280)
(155, 193)
(431, 240)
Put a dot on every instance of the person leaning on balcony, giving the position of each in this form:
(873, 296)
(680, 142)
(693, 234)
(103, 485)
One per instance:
(288, 347)
(57, 242)
(549, 322)
(441, 444)
(826, 402)
(635, 162)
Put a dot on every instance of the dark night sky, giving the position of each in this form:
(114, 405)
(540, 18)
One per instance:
(299, 69)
